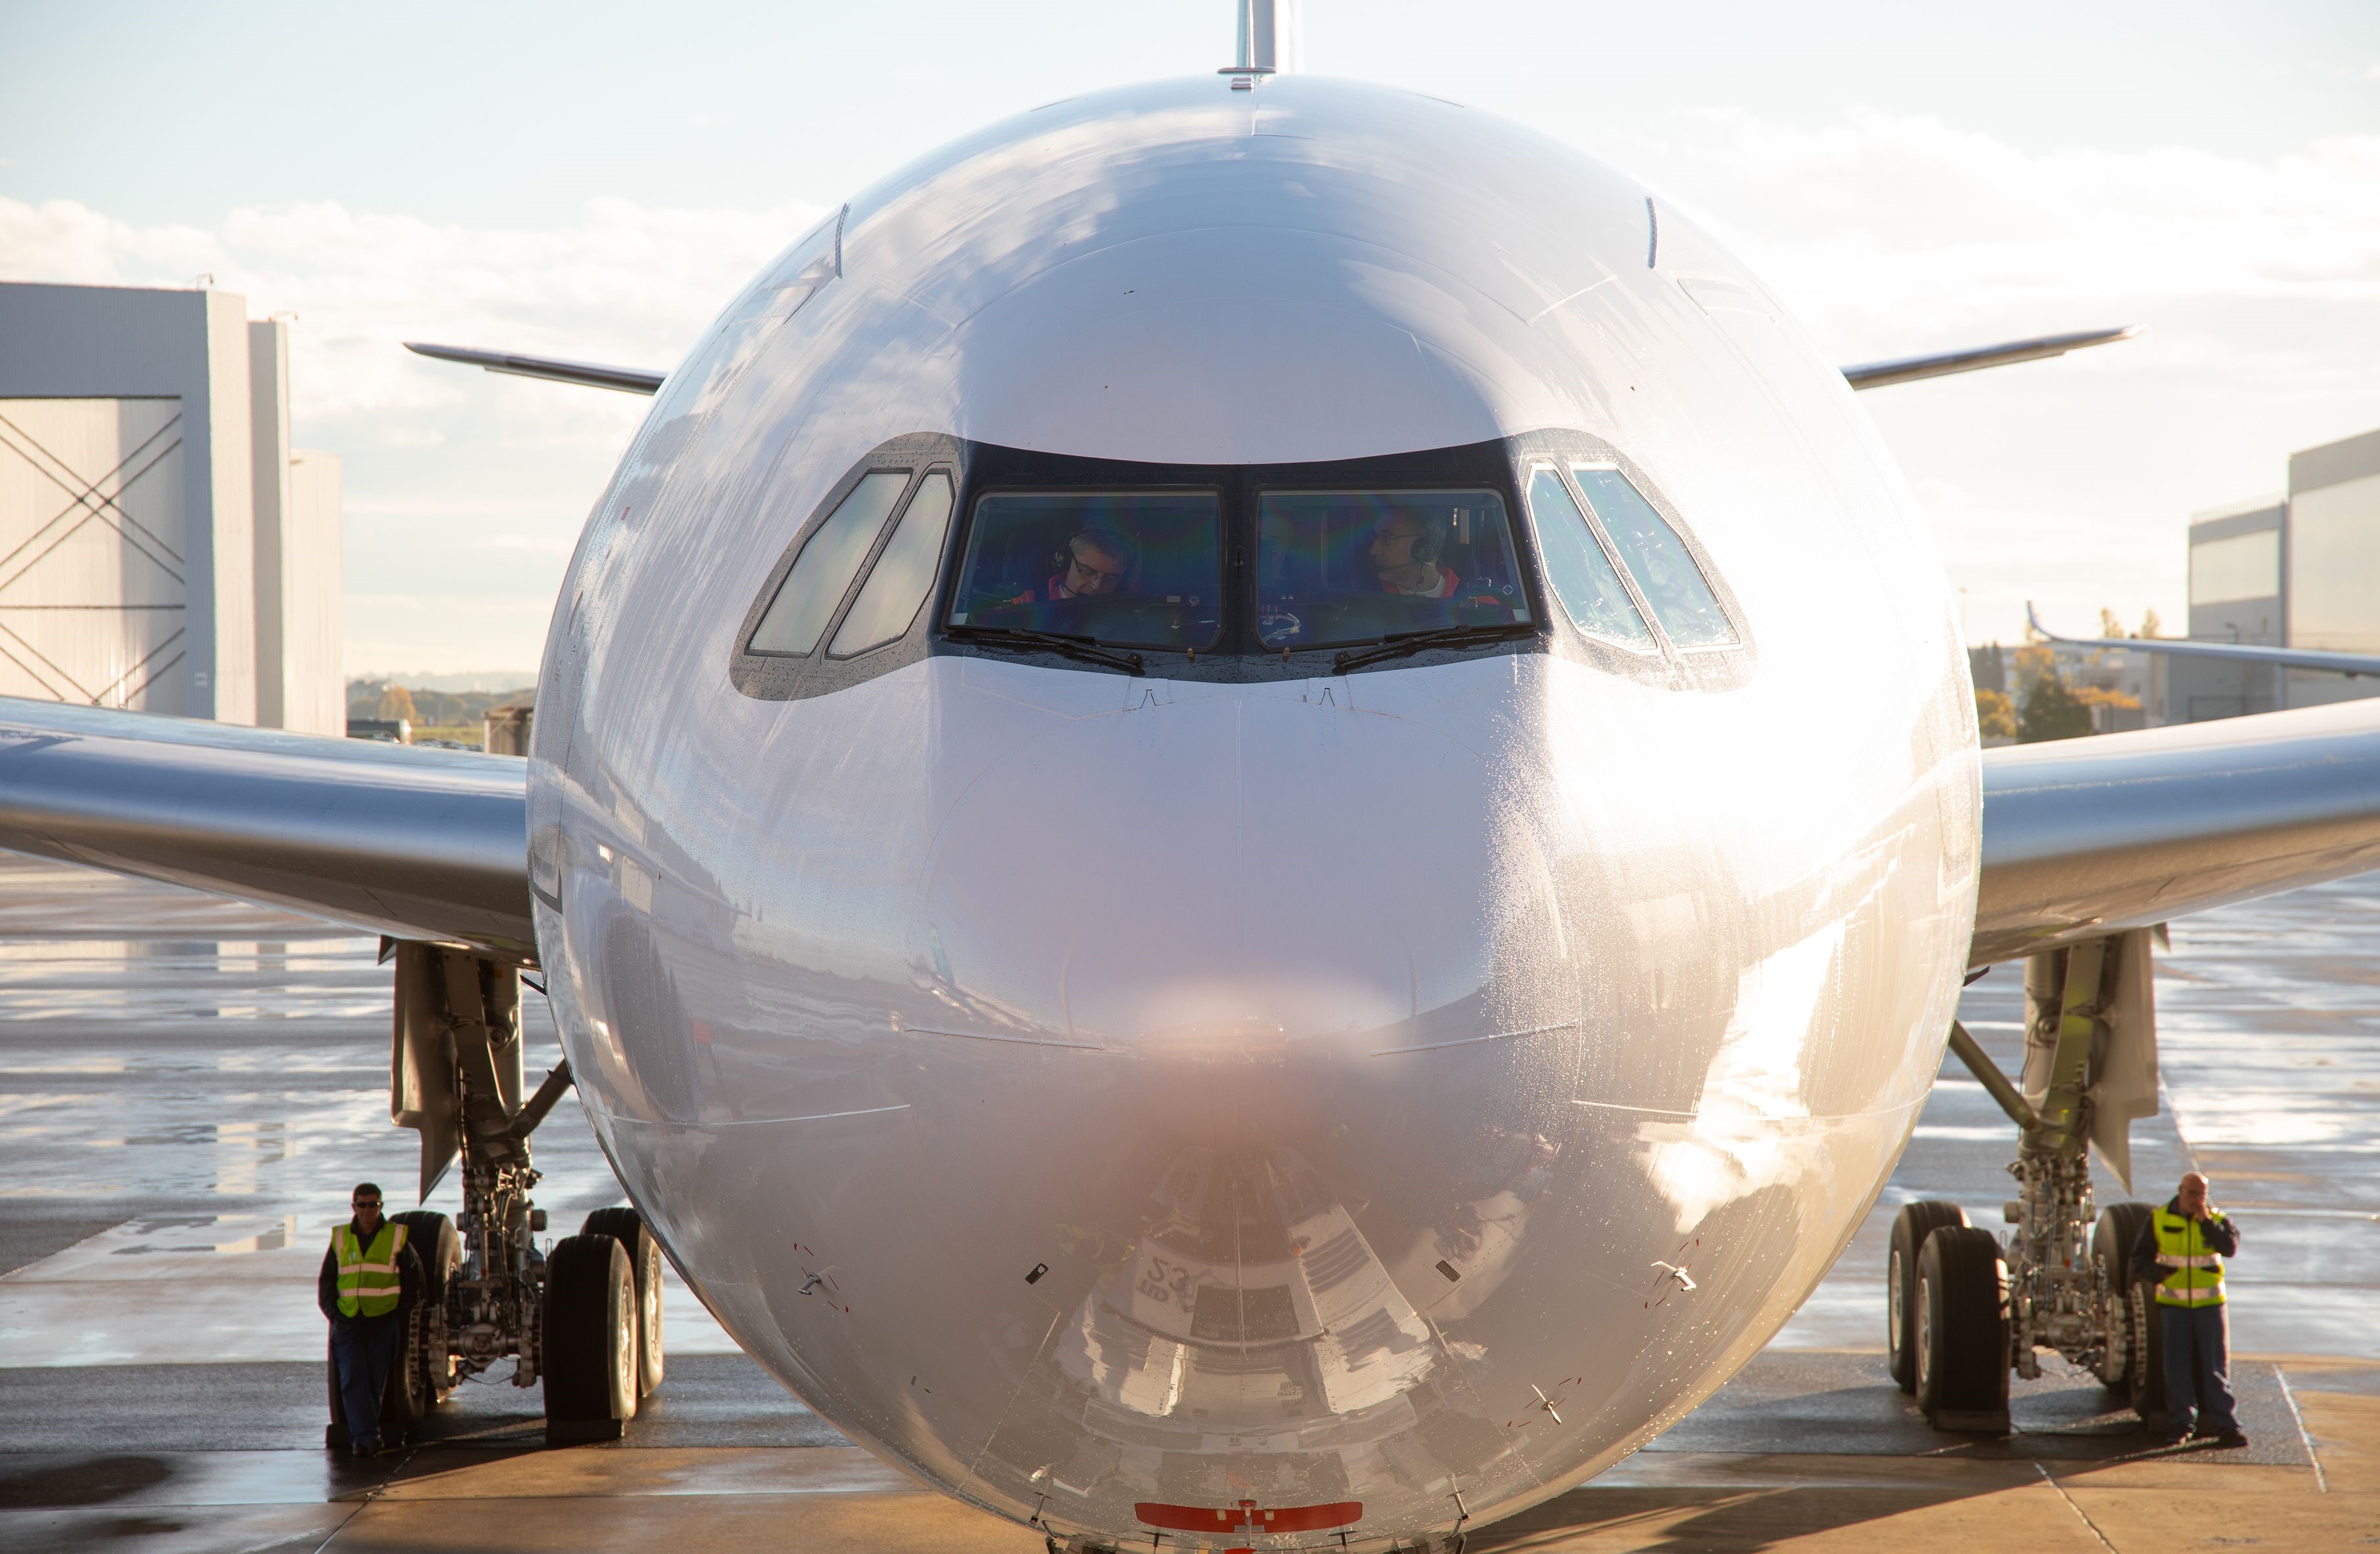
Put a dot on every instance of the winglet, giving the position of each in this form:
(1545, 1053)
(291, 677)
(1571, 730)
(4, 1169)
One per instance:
(586, 374)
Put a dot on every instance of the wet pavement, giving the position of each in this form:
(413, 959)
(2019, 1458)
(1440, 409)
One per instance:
(187, 1088)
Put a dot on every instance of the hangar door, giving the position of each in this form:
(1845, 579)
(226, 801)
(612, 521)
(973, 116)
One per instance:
(92, 569)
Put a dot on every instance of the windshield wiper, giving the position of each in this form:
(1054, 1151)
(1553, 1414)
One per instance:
(1024, 639)
(1397, 644)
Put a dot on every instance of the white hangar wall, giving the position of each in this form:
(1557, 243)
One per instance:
(155, 550)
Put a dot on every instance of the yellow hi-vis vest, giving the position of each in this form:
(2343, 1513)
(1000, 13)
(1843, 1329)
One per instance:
(2193, 1275)
(368, 1285)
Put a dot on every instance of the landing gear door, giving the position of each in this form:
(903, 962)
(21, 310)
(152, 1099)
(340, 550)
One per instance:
(2124, 1069)
(422, 1092)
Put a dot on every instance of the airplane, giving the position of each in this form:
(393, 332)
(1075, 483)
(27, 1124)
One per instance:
(1175, 833)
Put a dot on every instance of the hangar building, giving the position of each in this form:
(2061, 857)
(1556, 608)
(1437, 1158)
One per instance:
(161, 546)
(2300, 570)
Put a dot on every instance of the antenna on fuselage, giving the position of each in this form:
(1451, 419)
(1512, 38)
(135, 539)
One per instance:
(1272, 42)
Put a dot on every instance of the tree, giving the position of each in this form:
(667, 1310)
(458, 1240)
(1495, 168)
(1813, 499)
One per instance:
(2108, 625)
(2052, 710)
(2151, 624)
(1994, 715)
(396, 702)
(2035, 661)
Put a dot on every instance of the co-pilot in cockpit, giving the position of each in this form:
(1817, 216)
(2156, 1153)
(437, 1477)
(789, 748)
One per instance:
(1342, 567)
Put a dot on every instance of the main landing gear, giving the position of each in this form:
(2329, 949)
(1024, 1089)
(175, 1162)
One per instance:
(1965, 1308)
(584, 1318)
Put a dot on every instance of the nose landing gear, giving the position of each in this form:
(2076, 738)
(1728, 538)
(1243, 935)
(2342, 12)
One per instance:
(587, 1319)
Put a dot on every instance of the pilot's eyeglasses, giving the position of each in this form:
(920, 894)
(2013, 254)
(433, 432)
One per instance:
(1090, 573)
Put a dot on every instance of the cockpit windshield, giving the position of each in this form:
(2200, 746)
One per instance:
(1340, 567)
(1135, 569)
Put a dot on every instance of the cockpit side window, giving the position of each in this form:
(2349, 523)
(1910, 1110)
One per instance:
(1656, 558)
(806, 602)
(895, 590)
(1582, 574)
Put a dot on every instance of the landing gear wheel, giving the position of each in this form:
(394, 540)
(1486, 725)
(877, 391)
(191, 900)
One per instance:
(407, 1398)
(432, 1238)
(628, 1227)
(2111, 1250)
(590, 1340)
(1962, 1331)
(1909, 1228)
(2148, 1359)
(335, 1435)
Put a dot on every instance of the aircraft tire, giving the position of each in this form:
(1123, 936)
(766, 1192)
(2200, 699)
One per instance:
(432, 1237)
(628, 1227)
(407, 1398)
(2148, 1359)
(1962, 1342)
(2111, 1248)
(1909, 1228)
(591, 1340)
(335, 1435)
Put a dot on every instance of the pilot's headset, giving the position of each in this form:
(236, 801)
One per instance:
(1430, 543)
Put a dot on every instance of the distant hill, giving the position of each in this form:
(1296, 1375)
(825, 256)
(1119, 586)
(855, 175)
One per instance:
(425, 706)
(478, 680)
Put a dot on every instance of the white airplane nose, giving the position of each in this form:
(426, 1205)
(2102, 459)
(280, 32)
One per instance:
(1326, 1117)
(1253, 988)
(1242, 879)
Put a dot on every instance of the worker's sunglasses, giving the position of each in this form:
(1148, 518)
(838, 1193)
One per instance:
(367, 1203)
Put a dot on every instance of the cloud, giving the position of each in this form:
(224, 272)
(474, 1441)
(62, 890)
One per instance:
(2258, 280)
(1872, 218)
(626, 282)
(508, 465)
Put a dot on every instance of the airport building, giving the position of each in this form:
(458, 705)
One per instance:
(2300, 570)
(162, 547)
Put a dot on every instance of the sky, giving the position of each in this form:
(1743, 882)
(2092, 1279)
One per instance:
(595, 180)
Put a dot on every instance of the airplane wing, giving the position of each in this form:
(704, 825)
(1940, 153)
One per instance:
(416, 843)
(1974, 358)
(2087, 837)
(2349, 664)
(586, 374)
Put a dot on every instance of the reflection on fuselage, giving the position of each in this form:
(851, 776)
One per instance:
(1115, 1094)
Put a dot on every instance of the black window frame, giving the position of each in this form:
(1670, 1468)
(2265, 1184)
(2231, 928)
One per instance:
(1501, 465)
(778, 676)
(1718, 667)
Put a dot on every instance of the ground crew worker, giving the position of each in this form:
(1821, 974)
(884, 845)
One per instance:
(2181, 1252)
(369, 1280)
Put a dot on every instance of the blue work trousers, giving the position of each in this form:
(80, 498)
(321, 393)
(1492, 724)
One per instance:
(364, 1350)
(2198, 1367)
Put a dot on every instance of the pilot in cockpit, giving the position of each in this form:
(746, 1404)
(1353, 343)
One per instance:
(1405, 550)
(1094, 562)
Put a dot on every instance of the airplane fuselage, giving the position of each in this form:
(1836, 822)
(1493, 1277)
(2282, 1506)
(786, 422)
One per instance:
(1225, 1075)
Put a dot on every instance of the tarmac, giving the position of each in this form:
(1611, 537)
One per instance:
(180, 1077)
